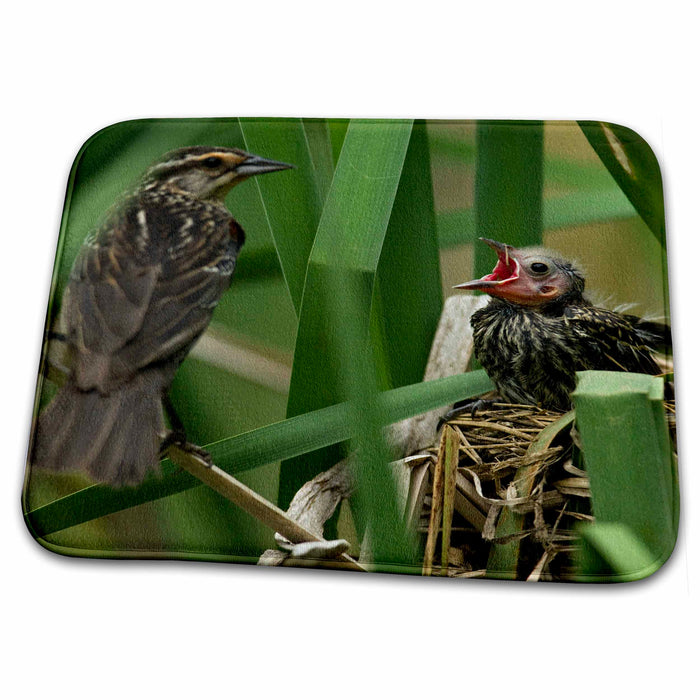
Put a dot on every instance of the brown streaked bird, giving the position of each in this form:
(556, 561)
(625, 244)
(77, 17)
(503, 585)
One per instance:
(142, 290)
(539, 329)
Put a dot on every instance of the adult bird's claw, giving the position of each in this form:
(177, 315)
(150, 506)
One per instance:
(176, 438)
(198, 452)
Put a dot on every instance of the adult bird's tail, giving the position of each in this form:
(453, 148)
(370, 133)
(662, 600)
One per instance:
(115, 438)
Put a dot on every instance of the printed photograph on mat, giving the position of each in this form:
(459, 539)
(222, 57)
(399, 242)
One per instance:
(438, 348)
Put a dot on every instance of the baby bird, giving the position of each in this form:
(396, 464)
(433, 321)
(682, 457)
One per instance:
(142, 290)
(539, 329)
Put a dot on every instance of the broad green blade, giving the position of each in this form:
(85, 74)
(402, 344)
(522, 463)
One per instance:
(318, 138)
(338, 129)
(630, 160)
(293, 211)
(374, 502)
(408, 287)
(350, 234)
(611, 552)
(289, 438)
(628, 456)
(509, 179)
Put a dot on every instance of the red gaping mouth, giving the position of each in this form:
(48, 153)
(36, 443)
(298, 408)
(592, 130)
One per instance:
(507, 269)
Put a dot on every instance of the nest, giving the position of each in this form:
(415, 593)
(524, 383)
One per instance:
(508, 487)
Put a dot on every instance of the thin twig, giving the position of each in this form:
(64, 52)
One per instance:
(245, 498)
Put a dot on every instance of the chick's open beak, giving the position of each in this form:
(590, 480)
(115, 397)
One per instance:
(507, 269)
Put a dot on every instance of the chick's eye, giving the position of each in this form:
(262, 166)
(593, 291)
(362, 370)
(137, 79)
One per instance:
(539, 268)
(211, 162)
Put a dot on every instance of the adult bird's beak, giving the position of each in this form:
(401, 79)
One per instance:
(255, 165)
(507, 269)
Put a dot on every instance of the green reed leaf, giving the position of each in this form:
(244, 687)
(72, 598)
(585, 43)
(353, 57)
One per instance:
(633, 165)
(629, 460)
(350, 234)
(289, 438)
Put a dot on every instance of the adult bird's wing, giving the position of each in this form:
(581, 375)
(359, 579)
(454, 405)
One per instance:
(610, 341)
(104, 307)
(180, 309)
(196, 264)
(129, 308)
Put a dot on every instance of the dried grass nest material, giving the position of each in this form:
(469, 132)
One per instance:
(495, 489)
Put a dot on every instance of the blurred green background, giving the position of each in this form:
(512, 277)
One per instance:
(237, 378)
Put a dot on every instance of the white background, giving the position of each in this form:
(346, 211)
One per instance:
(84, 629)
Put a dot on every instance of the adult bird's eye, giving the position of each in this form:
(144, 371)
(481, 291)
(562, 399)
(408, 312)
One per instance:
(211, 162)
(538, 268)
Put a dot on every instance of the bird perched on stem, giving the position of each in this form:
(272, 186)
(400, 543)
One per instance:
(539, 329)
(142, 290)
